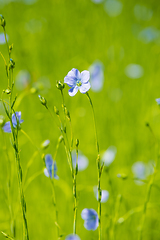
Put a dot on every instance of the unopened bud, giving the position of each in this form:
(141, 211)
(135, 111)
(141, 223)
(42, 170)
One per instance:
(8, 91)
(11, 64)
(45, 144)
(2, 21)
(77, 142)
(122, 176)
(67, 113)
(43, 101)
(2, 120)
(60, 85)
(60, 139)
(56, 110)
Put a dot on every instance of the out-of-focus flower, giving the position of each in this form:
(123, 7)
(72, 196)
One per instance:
(90, 218)
(105, 194)
(142, 12)
(2, 38)
(109, 155)
(149, 34)
(82, 160)
(134, 71)
(142, 170)
(51, 167)
(113, 7)
(97, 1)
(77, 81)
(42, 85)
(97, 76)
(23, 80)
(72, 237)
(158, 101)
(16, 124)
(29, 2)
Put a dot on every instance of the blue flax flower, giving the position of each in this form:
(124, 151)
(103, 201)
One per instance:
(158, 101)
(90, 217)
(15, 116)
(77, 81)
(50, 164)
(72, 237)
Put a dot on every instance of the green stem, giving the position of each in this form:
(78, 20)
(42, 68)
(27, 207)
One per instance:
(149, 186)
(99, 170)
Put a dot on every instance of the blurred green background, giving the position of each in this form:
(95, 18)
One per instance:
(50, 38)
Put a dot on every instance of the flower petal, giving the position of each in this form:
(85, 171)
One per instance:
(85, 76)
(91, 219)
(72, 237)
(7, 127)
(49, 164)
(72, 91)
(84, 87)
(82, 160)
(15, 116)
(72, 77)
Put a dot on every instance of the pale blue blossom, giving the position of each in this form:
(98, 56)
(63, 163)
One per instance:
(77, 81)
(23, 80)
(134, 71)
(105, 194)
(72, 237)
(142, 170)
(149, 34)
(97, 76)
(2, 38)
(51, 167)
(97, 1)
(16, 121)
(82, 160)
(113, 7)
(109, 155)
(90, 218)
(158, 101)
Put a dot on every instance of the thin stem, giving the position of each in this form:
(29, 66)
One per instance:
(149, 185)
(75, 193)
(99, 168)
(55, 206)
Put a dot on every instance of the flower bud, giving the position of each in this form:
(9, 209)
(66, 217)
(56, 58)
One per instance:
(8, 91)
(2, 21)
(67, 113)
(60, 85)
(43, 101)
(60, 139)
(45, 144)
(77, 142)
(122, 176)
(2, 120)
(11, 64)
(56, 110)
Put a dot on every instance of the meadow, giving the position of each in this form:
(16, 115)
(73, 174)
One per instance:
(118, 42)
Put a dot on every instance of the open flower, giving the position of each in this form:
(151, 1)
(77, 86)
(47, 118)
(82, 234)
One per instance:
(82, 160)
(51, 167)
(105, 194)
(16, 121)
(77, 80)
(90, 217)
(158, 101)
(109, 156)
(72, 237)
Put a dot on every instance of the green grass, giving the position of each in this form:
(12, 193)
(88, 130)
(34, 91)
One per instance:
(50, 38)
